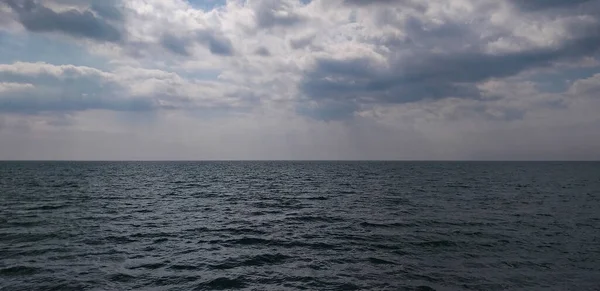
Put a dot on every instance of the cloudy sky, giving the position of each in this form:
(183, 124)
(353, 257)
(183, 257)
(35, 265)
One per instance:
(300, 79)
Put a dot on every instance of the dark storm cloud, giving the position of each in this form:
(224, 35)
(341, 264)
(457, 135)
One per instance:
(36, 17)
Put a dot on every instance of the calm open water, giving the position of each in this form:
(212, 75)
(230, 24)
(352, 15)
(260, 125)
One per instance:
(299, 226)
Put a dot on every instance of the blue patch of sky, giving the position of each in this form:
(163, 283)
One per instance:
(49, 49)
(207, 4)
(211, 4)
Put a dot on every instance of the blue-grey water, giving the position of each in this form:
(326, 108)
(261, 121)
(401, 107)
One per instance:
(299, 226)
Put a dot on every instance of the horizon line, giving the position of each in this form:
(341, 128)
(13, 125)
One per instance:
(292, 160)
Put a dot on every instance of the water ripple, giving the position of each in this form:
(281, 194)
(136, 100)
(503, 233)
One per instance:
(299, 226)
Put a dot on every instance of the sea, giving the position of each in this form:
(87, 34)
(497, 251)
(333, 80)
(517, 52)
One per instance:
(258, 225)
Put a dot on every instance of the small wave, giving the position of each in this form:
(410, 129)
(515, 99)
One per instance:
(456, 223)
(320, 198)
(385, 246)
(65, 185)
(459, 186)
(315, 219)
(151, 266)
(469, 233)
(172, 280)
(121, 278)
(242, 231)
(19, 271)
(222, 283)
(119, 239)
(182, 186)
(160, 240)
(347, 286)
(48, 207)
(152, 235)
(347, 192)
(436, 243)
(184, 267)
(273, 242)
(395, 224)
(30, 237)
(315, 245)
(378, 261)
(25, 223)
(143, 210)
(230, 230)
(247, 241)
(259, 260)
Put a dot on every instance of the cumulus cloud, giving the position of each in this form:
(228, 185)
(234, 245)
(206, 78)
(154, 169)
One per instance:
(430, 72)
(262, 51)
(62, 88)
(217, 44)
(272, 13)
(175, 44)
(107, 9)
(547, 4)
(443, 59)
(38, 18)
(42, 87)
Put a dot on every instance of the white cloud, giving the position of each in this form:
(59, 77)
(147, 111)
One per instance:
(12, 87)
(68, 88)
(257, 79)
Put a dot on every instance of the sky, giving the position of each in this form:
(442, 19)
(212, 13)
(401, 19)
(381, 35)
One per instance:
(300, 79)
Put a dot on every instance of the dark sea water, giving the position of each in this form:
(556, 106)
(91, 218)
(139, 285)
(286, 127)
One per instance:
(299, 226)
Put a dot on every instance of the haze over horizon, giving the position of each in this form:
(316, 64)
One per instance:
(299, 80)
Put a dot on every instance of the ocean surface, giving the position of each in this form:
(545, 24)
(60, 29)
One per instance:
(299, 226)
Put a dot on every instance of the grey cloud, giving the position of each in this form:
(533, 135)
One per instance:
(57, 101)
(416, 5)
(217, 44)
(69, 98)
(69, 92)
(107, 9)
(268, 14)
(546, 4)
(371, 2)
(175, 44)
(329, 111)
(38, 18)
(428, 75)
(301, 42)
(262, 51)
